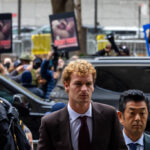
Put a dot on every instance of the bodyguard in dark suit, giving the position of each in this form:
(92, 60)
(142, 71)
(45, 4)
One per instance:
(133, 115)
(82, 124)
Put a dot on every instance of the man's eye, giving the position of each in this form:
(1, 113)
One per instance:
(89, 84)
(132, 113)
(78, 84)
(142, 113)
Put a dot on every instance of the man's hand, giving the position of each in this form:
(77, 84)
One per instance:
(20, 68)
(107, 48)
(29, 67)
(50, 54)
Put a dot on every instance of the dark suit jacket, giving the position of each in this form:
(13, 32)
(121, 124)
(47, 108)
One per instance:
(146, 141)
(107, 135)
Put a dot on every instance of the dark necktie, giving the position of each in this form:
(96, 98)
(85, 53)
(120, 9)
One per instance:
(132, 146)
(84, 137)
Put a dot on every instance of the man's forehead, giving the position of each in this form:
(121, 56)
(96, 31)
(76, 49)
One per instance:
(81, 78)
(80, 75)
(140, 105)
(137, 108)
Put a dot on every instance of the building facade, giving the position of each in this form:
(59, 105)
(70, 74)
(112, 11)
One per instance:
(110, 13)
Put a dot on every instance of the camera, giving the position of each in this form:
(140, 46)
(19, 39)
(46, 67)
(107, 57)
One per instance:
(55, 57)
(110, 38)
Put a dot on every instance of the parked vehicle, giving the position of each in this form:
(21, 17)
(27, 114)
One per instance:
(42, 30)
(25, 32)
(124, 33)
(114, 75)
(31, 107)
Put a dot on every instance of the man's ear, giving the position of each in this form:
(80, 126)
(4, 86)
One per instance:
(66, 86)
(120, 116)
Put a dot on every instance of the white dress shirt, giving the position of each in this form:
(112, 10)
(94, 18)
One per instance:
(75, 124)
(140, 142)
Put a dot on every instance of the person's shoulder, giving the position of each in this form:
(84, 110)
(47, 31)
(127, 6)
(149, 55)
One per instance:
(103, 106)
(146, 141)
(147, 136)
(99, 107)
(55, 116)
(107, 112)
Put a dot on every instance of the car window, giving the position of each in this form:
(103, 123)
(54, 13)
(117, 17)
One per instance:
(42, 30)
(46, 30)
(125, 32)
(15, 31)
(123, 78)
(6, 93)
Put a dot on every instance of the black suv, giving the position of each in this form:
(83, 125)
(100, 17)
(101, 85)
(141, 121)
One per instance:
(114, 75)
(31, 107)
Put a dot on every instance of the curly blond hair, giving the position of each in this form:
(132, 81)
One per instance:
(81, 67)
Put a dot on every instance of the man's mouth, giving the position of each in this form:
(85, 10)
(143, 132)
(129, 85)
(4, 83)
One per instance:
(137, 126)
(84, 95)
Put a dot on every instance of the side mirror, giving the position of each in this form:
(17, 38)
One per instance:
(22, 104)
(17, 100)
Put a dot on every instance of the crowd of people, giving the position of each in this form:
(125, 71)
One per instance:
(38, 75)
(35, 73)
(123, 50)
(81, 124)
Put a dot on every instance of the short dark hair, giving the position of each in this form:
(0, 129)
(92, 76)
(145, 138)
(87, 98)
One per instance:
(131, 95)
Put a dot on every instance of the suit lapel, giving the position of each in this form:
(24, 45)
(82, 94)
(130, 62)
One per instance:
(97, 128)
(64, 130)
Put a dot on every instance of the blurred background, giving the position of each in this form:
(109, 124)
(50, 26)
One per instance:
(95, 19)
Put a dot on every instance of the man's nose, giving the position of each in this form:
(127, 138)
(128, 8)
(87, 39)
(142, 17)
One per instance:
(84, 87)
(137, 117)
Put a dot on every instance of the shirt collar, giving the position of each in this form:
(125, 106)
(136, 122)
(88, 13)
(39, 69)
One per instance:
(74, 115)
(128, 140)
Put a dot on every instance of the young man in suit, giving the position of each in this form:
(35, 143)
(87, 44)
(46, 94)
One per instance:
(82, 124)
(133, 115)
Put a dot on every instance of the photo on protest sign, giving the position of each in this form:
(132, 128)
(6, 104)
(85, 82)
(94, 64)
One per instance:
(147, 37)
(6, 33)
(64, 31)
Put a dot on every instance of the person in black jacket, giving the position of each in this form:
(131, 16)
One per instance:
(12, 137)
(48, 75)
(104, 52)
(123, 50)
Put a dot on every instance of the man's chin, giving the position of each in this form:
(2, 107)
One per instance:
(84, 100)
(137, 131)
